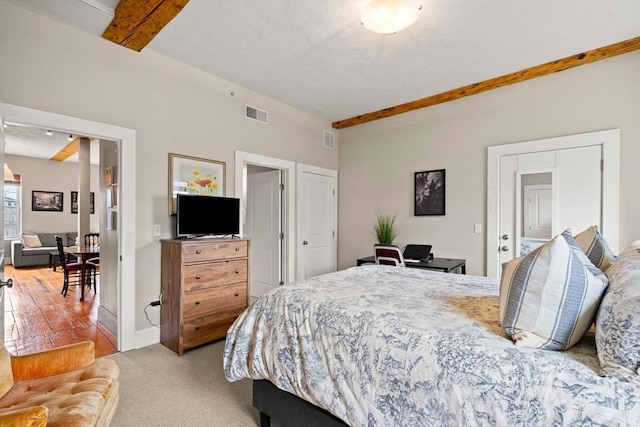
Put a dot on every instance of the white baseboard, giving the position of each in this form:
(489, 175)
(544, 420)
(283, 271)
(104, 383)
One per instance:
(108, 320)
(147, 337)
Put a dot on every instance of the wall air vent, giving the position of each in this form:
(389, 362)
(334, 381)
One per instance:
(329, 140)
(256, 114)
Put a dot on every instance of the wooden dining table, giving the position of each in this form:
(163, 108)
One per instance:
(83, 253)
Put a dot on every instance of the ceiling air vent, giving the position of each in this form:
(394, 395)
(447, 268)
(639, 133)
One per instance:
(329, 140)
(256, 114)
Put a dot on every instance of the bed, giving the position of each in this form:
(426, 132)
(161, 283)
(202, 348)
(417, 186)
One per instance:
(387, 346)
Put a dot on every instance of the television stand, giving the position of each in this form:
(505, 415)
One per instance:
(204, 287)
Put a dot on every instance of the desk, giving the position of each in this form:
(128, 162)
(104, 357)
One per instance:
(446, 265)
(84, 253)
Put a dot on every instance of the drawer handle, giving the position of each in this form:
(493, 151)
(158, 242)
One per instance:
(198, 251)
(197, 328)
(197, 302)
(198, 277)
(236, 294)
(237, 271)
(237, 249)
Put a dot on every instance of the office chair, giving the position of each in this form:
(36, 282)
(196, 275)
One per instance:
(388, 255)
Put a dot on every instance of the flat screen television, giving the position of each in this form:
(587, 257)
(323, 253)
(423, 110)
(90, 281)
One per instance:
(207, 216)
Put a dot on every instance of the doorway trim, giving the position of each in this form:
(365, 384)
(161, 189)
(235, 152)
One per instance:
(126, 143)
(242, 159)
(609, 140)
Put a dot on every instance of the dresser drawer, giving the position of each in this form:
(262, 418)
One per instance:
(200, 276)
(212, 250)
(203, 329)
(207, 300)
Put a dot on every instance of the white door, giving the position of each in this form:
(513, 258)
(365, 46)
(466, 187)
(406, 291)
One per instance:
(596, 182)
(317, 213)
(264, 228)
(507, 230)
(537, 211)
(574, 199)
(580, 188)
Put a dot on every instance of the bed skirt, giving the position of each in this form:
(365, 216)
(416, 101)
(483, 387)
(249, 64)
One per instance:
(288, 410)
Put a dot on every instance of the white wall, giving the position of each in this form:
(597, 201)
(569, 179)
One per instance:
(45, 175)
(52, 67)
(378, 159)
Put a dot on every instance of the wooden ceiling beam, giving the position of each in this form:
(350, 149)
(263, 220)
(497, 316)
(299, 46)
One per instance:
(497, 82)
(136, 22)
(69, 150)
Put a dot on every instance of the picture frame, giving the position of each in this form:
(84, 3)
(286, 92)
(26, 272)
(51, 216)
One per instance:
(74, 202)
(110, 220)
(110, 175)
(114, 195)
(47, 201)
(430, 192)
(194, 175)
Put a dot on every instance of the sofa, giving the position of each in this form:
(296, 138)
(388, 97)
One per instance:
(64, 386)
(30, 250)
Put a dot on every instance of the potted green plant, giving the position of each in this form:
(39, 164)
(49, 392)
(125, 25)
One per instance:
(385, 228)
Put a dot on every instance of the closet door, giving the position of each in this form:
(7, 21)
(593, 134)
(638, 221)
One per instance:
(575, 180)
(585, 188)
(579, 188)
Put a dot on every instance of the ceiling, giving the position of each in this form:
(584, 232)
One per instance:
(33, 142)
(315, 56)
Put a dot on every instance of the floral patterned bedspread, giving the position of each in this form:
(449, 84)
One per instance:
(388, 346)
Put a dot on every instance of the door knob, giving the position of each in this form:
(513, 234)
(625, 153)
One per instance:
(8, 283)
(505, 237)
(304, 242)
(504, 248)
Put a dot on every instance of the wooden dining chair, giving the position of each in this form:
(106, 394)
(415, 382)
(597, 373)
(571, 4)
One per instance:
(72, 270)
(92, 239)
(92, 264)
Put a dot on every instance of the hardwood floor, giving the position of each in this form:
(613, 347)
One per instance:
(38, 317)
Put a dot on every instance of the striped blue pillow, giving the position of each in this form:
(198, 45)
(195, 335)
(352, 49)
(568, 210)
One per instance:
(596, 248)
(548, 298)
(573, 243)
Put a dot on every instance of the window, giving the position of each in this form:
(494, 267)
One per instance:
(12, 208)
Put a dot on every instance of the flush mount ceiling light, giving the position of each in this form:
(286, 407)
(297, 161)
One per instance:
(390, 16)
(49, 133)
(70, 137)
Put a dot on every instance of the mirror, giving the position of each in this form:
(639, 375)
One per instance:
(536, 210)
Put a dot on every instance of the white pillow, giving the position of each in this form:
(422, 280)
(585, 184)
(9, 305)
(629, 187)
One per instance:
(31, 241)
(548, 298)
(595, 246)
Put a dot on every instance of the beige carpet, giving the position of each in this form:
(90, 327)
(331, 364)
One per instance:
(159, 388)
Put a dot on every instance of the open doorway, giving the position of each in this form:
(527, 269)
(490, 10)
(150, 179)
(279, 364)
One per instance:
(264, 186)
(123, 312)
(263, 225)
(37, 317)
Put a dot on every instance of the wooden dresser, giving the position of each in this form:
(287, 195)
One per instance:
(204, 288)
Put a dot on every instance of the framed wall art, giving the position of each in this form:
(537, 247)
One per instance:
(429, 191)
(110, 175)
(194, 175)
(74, 202)
(47, 201)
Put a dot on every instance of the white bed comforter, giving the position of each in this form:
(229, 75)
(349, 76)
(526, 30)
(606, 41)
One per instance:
(388, 346)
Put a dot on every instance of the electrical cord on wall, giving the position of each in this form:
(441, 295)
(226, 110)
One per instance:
(151, 304)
